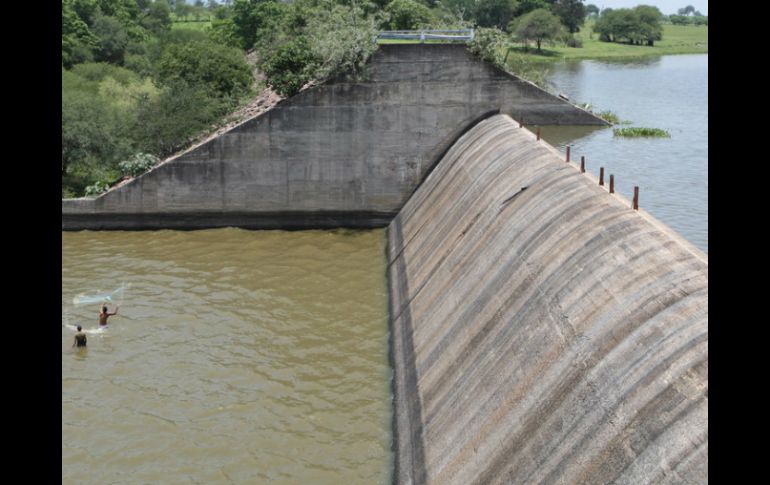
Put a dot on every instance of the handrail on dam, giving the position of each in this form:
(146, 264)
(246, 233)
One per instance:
(423, 35)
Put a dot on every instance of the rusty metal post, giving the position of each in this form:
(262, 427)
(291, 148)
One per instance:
(601, 176)
(612, 184)
(636, 198)
(582, 164)
(567, 160)
(538, 133)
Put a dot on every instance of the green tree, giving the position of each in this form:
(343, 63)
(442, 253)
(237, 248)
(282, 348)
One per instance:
(526, 6)
(77, 41)
(678, 19)
(259, 21)
(408, 15)
(686, 10)
(220, 69)
(341, 39)
(649, 28)
(495, 13)
(113, 39)
(592, 10)
(167, 123)
(157, 17)
(538, 25)
(290, 66)
(636, 26)
(571, 12)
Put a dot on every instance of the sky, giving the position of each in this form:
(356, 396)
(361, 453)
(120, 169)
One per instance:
(666, 7)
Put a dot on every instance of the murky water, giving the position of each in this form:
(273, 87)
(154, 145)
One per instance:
(669, 92)
(236, 357)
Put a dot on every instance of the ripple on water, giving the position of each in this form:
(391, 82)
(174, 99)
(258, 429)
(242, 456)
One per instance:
(243, 354)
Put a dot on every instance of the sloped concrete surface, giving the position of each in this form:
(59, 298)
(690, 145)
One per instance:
(542, 330)
(347, 153)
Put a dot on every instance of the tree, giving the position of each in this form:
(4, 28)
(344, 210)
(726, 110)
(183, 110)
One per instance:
(408, 15)
(686, 10)
(526, 6)
(538, 25)
(678, 19)
(649, 28)
(221, 70)
(259, 21)
(592, 10)
(289, 67)
(571, 12)
(157, 17)
(636, 26)
(113, 39)
(495, 13)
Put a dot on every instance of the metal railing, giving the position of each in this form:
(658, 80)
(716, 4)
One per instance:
(423, 35)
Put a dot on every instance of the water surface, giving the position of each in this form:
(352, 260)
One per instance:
(236, 356)
(669, 92)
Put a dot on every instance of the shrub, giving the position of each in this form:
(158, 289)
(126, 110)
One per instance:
(138, 164)
(290, 67)
(218, 68)
(96, 189)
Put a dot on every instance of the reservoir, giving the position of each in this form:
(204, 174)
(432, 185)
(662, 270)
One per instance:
(670, 93)
(236, 356)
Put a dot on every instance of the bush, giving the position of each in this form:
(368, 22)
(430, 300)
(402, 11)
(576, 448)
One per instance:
(290, 67)
(219, 69)
(96, 189)
(138, 164)
(573, 41)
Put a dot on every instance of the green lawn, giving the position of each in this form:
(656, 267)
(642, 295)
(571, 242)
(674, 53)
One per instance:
(677, 39)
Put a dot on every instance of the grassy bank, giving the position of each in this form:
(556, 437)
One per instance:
(677, 39)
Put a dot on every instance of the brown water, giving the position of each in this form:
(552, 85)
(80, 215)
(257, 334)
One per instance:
(236, 357)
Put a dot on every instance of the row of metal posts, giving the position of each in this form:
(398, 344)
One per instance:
(635, 202)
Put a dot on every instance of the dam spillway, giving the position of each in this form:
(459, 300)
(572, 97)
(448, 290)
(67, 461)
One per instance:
(542, 330)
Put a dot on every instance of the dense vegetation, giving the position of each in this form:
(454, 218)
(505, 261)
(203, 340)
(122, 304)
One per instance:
(141, 78)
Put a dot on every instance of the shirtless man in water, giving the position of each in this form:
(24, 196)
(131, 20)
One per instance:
(80, 338)
(104, 314)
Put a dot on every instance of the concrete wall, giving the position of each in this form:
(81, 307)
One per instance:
(542, 330)
(341, 153)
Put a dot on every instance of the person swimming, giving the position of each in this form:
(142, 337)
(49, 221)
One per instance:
(104, 314)
(80, 338)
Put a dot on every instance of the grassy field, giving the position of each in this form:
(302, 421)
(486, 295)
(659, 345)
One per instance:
(677, 39)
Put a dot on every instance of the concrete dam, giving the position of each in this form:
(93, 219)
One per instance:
(338, 154)
(541, 330)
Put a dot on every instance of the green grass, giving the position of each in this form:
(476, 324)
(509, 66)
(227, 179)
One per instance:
(191, 25)
(677, 39)
(641, 132)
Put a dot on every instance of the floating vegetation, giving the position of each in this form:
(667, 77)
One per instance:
(641, 132)
(611, 117)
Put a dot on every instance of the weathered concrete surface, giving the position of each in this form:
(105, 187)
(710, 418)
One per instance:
(542, 331)
(341, 148)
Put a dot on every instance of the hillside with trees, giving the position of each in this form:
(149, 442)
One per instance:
(143, 79)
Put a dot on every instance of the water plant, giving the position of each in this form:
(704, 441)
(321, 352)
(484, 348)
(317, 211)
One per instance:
(639, 132)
